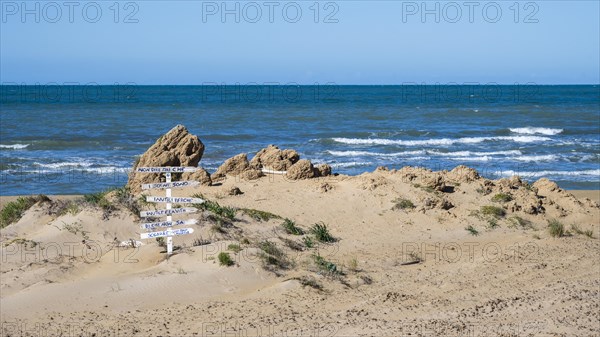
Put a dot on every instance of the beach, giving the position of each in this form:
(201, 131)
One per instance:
(407, 252)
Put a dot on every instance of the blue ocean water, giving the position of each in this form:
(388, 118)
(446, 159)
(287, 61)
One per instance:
(70, 139)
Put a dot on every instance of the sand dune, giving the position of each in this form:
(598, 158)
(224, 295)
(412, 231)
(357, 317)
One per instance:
(64, 270)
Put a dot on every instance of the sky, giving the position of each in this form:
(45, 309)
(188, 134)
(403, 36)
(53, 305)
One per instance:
(304, 42)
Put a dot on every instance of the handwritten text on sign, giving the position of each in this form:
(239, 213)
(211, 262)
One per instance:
(170, 232)
(164, 169)
(183, 200)
(175, 184)
(153, 225)
(162, 212)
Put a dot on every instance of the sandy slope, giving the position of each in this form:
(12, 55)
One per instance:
(506, 281)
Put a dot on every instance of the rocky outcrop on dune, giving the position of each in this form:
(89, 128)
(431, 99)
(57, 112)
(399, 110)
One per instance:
(274, 158)
(176, 148)
(237, 166)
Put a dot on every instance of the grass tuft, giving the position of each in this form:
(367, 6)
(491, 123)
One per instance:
(290, 227)
(234, 247)
(472, 230)
(518, 222)
(502, 197)
(260, 215)
(215, 208)
(493, 211)
(556, 228)
(321, 233)
(401, 203)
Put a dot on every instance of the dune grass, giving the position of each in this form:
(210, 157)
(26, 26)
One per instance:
(556, 228)
(225, 259)
(14, 210)
(321, 232)
(502, 197)
(290, 227)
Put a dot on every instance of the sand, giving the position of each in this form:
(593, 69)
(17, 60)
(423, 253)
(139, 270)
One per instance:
(506, 281)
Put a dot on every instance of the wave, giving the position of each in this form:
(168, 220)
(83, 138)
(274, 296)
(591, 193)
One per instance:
(350, 164)
(64, 164)
(510, 173)
(14, 146)
(441, 141)
(532, 131)
(98, 170)
(374, 154)
(474, 153)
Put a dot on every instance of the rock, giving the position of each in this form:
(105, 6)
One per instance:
(545, 185)
(200, 175)
(176, 148)
(252, 174)
(232, 166)
(234, 191)
(303, 169)
(434, 180)
(463, 173)
(324, 170)
(273, 158)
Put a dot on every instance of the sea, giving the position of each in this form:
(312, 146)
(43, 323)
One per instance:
(83, 138)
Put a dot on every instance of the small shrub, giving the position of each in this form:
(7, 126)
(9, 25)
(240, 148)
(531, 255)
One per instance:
(161, 242)
(402, 203)
(245, 241)
(225, 259)
(472, 230)
(414, 256)
(502, 197)
(234, 248)
(290, 227)
(589, 233)
(493, 211)
(321, 233)
(294, 245)
(260, 215)
(556, 228)
(272, 256)
(200, 242)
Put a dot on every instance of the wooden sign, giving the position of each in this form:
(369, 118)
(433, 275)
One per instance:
(163, 212)
(175, 184)
(168, 233)
(152, 225)
(178, 200)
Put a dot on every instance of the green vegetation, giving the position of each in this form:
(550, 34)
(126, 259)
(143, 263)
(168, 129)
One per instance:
(493, 223)
(326, 267)
(308, 242)
(294, 245)
(214, 207)
(161, 242)
(234, 247)
(290, 227)
(321, 233)
(401, 203)
(589, 233)
(472, 230)
(502, 197)
(272, 256)
(225, 259)
(259, 215)
(21, 241)
(310, 282)
(494, 211)
(556, 228)
(14, 210)
(518, 222)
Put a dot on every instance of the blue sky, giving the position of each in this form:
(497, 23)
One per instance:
(372, 42)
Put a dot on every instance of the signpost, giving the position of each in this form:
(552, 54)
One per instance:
(168, 199)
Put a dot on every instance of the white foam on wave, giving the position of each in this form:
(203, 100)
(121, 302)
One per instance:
(374, 154)
(351, 164)
(533, 130)
(97, 170)
(474, 153)
(549, 157)
(61, 165)
(14, 146)
(441, 141)
(510, 173)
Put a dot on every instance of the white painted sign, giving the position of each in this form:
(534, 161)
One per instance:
(164, 169)
(267, 171)
(152, 225)
(182, 200)
(163, 212)
(169, 232)
(175, 184)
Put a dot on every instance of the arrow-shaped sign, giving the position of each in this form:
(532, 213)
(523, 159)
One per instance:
(169, 232)
(152, 225)
(162, 212)
(183, 200)
(164, 169)
(175, 184)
